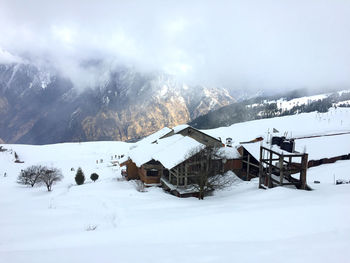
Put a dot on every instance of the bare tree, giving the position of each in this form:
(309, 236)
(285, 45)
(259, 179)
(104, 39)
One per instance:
(49, 176)
(31, 175)
(209, 169)
(38, 174)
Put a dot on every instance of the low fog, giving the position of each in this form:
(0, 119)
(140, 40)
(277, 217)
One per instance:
(271, 45)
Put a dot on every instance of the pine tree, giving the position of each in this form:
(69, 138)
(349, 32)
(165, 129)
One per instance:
(94, 176)
(79, 177)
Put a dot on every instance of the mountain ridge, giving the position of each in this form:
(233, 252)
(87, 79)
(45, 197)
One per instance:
(40, 106)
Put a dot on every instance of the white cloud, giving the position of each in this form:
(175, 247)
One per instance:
(7, 58)
(244, 43)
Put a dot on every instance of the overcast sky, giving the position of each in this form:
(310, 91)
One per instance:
(257, 44)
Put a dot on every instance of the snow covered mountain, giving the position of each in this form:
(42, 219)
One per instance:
(39, 105)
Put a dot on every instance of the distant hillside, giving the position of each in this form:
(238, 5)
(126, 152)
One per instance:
(267, 107)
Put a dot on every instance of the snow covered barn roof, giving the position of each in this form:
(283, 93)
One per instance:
(154, 136)
(170, 151)
(179, 128)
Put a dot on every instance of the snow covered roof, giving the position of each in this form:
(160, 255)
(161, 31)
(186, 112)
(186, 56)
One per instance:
(254, 149)
(229, 153)
(170, 151)
(179, 128)
(154, 136)
(177, 149)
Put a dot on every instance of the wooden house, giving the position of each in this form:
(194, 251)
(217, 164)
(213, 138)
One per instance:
(175, 160)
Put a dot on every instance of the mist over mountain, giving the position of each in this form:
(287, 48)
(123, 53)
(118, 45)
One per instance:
(40, 106)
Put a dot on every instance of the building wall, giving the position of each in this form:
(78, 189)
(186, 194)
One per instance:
(233, 165)
(149, 179)
(132, 171)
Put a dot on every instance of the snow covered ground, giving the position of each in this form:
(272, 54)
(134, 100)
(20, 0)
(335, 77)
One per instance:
(238, 224)
(304, 124)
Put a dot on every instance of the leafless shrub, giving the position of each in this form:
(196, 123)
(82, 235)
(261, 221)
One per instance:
(50, 176)
(31, 175)
(91, 227)
(140, 186)
(208, 169)
(37, 174)
(121, 179)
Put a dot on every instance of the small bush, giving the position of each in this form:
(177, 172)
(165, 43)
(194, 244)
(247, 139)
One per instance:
(94, 176)
(91, 227)
(79, 177)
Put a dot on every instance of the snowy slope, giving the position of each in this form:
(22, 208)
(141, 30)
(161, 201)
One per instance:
(325, 146)
(304, 124)
(285, 105)
(238, 224)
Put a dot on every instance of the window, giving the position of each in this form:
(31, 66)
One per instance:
(152, 172)
(166, 173)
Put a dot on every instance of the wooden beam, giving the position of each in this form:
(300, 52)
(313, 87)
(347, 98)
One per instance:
(303, 171)
(260, 168)
(177, 177)
(281, 169)
(248, 168)
(252, 164)
(285, 155)
(269, 182)
(269, 163)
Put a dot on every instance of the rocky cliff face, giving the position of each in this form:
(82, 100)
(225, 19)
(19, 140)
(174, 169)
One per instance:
(39, 106)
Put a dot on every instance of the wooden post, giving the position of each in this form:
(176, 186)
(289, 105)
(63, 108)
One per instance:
(269, 181)
(177, 176)
(290, 162)
(281, 169)
(303, 171)
(248, 163)
(186, 174)
(260, 167)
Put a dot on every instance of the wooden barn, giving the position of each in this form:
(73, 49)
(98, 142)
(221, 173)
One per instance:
(174, 160)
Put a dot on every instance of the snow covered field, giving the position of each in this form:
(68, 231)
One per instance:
(238, 224)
